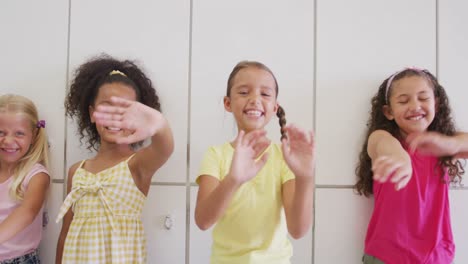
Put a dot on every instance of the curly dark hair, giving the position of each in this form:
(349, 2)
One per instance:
(255, 64)
(89, 77)
(442, 123)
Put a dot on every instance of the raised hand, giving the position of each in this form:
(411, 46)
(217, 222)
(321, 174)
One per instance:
(396, 169)
(433, 143)
(298, 151)
(245, 163)
(142, 121)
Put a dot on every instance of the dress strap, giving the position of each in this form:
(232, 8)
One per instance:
(130, 157)
(81, 164)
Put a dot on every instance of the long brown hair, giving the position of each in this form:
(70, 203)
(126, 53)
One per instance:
(442, 123)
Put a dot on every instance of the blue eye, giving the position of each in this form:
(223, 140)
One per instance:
(19, 133)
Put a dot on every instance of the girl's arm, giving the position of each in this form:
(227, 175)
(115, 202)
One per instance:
(462, 153)
(31, 205)
(143, 122)
(390, 161)
(439, 145)
(298, 194)
(214, 196)
(298, 200)
(149, 159)
(67, 218)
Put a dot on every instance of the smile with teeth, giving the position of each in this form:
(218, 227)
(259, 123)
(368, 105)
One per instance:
(254, 113)
(9, 150)
(113, 128)
(415, 117)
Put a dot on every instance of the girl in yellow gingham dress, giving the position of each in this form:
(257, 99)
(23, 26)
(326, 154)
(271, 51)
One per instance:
(107, 209)
(116, 108)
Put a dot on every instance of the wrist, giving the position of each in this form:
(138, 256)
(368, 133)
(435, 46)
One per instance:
(232, 182)
(459, 144)
(159, 122)
(304, 179)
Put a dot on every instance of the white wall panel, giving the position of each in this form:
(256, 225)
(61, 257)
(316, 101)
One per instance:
(277, 33)
(453, 55)
(51, 231)
(165, 224)
(459, 215)
(33, 63)
(359, 44)
(200, 241)
(156, 34)
(341, 219)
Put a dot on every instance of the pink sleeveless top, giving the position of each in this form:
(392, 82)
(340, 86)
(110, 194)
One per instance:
(412, 225)
(28, 239)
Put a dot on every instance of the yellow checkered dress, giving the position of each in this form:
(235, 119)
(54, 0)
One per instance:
(106, 226)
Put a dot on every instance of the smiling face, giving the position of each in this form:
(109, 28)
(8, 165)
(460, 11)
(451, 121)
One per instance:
(411, 104)
(252, 98)
(106, 91)
(16, 135)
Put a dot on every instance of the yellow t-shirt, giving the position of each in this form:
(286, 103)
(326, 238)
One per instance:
(253, 228)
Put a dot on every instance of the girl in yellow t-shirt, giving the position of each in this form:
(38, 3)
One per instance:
(245, 184)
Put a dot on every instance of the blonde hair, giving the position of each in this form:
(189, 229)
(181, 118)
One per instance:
(39, 150)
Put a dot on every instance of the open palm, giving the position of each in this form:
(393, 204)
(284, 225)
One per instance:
(142, 121)
(298, 151)
(245, 163)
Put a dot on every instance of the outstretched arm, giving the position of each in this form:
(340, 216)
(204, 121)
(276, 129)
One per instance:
(298, 150)
(436, 144)
(142, 122)
(390, 161)
(31, 205)
(214, 196)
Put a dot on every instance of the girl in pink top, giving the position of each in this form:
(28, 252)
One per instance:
(24, 179)
(407, 162)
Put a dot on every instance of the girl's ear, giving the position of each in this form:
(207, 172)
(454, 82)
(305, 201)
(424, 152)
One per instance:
(227, 104)
(388, 112)
(91, 112)
(275, 110)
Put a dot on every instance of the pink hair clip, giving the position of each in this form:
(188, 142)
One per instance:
(390, 80)
(40, 123)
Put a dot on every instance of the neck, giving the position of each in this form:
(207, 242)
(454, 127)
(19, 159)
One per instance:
(7, 168)
(114, 150)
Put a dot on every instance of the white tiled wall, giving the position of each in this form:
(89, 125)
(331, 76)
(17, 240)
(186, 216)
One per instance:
(165, 224)
(277, 33)
(156, 34)
(359, 44)
(329, 57)
(33, 63)
(51, 230)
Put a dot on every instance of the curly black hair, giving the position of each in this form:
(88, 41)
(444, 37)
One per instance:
(442, 123)
(255, 64)
(89, 77)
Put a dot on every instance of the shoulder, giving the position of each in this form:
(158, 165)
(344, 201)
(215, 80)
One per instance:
(275, 151)
(220, 150)
(73, 168)
(37, 170)
(380, 133)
